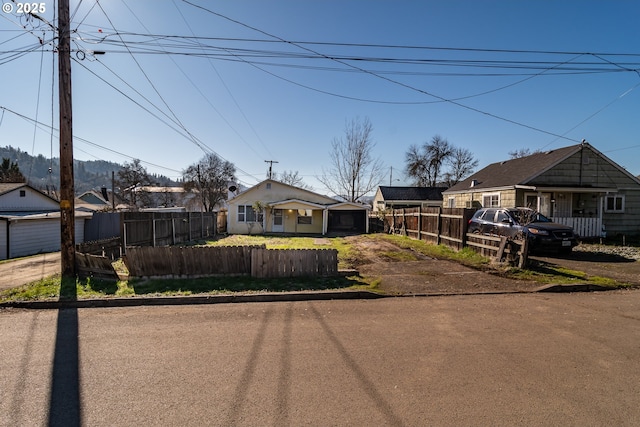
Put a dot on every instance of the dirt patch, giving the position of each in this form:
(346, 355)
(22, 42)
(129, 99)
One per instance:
(616, 262)
(403, 271)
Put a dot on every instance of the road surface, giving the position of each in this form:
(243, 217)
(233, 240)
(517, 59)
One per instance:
(518, 359)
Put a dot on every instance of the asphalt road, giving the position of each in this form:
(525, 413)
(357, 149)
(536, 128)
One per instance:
(525, 359)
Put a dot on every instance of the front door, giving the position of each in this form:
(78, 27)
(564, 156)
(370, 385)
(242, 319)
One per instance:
(278, 223)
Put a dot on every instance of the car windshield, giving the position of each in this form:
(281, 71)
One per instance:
(527, 216)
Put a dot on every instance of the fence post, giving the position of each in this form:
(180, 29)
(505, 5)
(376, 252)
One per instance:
(420, 223)
(439, 225)
(153, 229)
(173, 229)
(404, 221)
(123, 235)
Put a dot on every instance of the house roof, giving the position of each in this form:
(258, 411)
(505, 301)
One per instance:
(515, 171)
(411, 193)
(7, 187)
(299, 192)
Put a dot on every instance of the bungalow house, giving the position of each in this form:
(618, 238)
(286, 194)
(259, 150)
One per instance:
(274, 207)
(30, 221)
(407, 197)
(576, 185)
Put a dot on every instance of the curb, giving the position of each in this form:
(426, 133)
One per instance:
(190, 300)
(272, 297)
(582, 287)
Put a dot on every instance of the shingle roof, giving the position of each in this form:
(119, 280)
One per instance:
(515, 171)
(412, 193)
(6, 187)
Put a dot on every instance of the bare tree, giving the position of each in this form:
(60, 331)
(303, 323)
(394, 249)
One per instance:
(522, 152)
(354, 172)
(291, 178)
(210, 178)
(131, 178)
(417, 166)
(461, 165)
(425, 166)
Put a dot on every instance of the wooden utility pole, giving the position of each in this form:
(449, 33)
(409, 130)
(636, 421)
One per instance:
(271, 162)
(67, 196)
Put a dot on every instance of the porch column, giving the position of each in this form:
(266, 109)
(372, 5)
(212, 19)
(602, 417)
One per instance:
(325, 221)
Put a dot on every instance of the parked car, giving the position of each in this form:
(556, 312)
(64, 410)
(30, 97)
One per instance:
(513, 222)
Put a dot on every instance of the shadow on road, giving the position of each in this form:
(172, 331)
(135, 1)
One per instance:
(64, 403)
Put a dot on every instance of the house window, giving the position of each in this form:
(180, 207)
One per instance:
(614, 204)
(246, 213)
(305, 216)
(23, 193)
(451, 203)
(491, 200)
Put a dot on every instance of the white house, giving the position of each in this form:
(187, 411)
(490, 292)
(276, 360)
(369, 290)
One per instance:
(30, 222)
(274, 207)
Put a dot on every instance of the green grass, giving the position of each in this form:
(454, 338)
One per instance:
(348, 257)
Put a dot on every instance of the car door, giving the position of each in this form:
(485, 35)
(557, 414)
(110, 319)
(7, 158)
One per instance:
(487, 225)
(503, 225)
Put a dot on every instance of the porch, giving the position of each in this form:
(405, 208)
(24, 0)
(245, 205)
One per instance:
(583, 227)
(580, 208)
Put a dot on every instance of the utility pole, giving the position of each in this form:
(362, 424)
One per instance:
(67, 196)
(271, 162)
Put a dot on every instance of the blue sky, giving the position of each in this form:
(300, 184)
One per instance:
(276, 80)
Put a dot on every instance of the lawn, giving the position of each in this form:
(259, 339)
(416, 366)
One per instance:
(349, 256)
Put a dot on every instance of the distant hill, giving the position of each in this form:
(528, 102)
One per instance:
(91, 174)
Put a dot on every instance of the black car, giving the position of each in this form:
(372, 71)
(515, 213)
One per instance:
(513, 222)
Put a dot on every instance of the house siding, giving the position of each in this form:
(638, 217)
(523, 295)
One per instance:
(34, 236)
(627, 222)
(32, 201)
(3, 239)
(585, 168)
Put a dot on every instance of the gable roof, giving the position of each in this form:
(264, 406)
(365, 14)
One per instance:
(7, 187)
(411, 193)
(299, 193)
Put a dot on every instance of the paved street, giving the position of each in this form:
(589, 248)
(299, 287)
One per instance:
(527, 359)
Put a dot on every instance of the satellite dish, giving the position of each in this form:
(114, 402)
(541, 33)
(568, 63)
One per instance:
(233, 188)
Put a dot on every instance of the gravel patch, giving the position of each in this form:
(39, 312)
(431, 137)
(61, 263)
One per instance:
(629, 252)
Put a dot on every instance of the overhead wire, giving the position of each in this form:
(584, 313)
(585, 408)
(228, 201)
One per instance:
(392, 81)
(233, 98)
(204, 147)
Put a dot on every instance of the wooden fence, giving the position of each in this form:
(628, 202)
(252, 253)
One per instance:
(94, 266)
(437, 225)
(514, 251)
(269, 263)
(256, 261)
(447, 226)
(163, 229)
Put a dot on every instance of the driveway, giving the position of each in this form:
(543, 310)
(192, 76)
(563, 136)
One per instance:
(21, 271)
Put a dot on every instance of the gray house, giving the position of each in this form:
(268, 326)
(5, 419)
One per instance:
(576, 185)
(30, 222)
(406, 197)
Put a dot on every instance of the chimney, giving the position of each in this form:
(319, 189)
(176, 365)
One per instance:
(103, 190)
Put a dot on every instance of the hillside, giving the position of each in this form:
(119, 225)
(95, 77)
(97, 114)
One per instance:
(44, 174)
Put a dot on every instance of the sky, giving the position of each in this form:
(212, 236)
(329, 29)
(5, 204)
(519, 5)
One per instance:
(257, 81)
